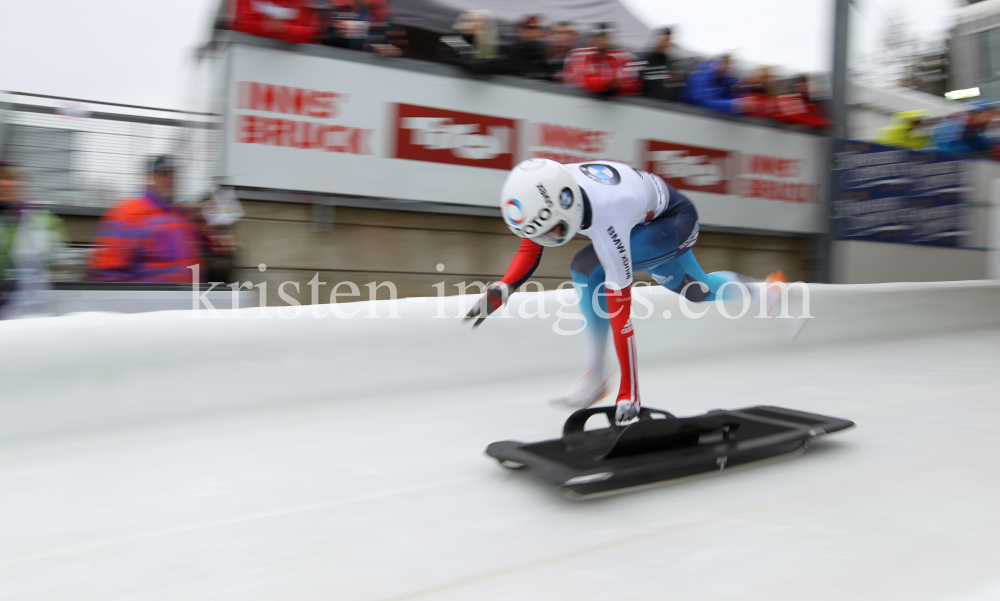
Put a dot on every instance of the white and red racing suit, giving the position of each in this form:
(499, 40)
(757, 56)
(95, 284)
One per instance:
(616, 199)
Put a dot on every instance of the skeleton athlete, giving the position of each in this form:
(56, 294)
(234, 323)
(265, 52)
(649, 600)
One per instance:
(635, 222)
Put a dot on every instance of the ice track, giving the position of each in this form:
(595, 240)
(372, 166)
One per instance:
(162, 457)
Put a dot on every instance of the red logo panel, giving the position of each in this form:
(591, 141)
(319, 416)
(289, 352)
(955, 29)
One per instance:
(440, 136)
(690, 167)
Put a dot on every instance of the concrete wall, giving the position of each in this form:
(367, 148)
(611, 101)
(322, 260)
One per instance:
(80, 229)
(369, 245)
(873, 262)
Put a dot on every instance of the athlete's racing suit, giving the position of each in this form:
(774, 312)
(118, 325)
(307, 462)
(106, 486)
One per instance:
(635, 221)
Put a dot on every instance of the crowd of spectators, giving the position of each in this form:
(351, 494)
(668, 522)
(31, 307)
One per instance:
(144, 239)
(357, 24)
(587, 57)
(968, 133)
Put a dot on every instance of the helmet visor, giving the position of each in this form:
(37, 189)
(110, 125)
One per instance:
(556, 235)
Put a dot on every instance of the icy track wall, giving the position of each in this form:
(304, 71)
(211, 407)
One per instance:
(85, 371)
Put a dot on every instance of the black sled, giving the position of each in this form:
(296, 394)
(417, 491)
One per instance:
(661, 447)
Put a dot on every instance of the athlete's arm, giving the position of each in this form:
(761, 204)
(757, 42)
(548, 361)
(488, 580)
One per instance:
(524, 263)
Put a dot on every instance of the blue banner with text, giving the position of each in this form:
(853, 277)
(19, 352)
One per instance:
(886, 194)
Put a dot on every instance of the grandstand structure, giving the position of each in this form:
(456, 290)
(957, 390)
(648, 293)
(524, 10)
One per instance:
(391, 173)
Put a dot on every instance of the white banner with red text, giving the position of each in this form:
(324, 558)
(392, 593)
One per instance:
(328, 126)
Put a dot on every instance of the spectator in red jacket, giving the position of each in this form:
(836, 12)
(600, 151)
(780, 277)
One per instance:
(798, 108)
(148, 239)
(758, 93)
(294, 21)
(602, 69)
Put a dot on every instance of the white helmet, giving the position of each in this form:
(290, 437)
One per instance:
(542, 202)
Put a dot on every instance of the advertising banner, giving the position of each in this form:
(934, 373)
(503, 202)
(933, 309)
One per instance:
(453, 138)
(324, 125)
(886, 194)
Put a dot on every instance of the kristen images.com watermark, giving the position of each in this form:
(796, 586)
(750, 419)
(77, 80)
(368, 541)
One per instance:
(733, 300)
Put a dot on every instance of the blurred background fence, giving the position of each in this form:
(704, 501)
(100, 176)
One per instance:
(87, 154)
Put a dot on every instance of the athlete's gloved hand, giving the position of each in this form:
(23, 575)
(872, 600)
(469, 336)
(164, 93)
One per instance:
(495, 296)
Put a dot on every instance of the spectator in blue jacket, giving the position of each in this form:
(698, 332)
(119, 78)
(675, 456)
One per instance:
(964, 133)
(711, 85)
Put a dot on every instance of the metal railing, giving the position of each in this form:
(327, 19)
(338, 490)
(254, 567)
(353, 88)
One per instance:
(88, 154)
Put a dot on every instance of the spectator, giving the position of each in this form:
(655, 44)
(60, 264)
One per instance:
(29, 239)
(711, 85)
(294, 21)
(758, 94)
(148, 239)
(602, 69)
(383, 37)
(908, 130)
(474, 47)
(798, 108)
(344, 27)
(666, 67)
(363, 25)
(528, 57)
(964, 133)
(562, 41)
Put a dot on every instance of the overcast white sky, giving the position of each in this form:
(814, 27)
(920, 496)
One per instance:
(138, 52)
(793, 33)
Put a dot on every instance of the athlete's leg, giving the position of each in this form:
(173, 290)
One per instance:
(671, 275)
(588, 279)
(652, 245)
(656, 245)
(662, 248)
(713, 281)
(765, 294)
